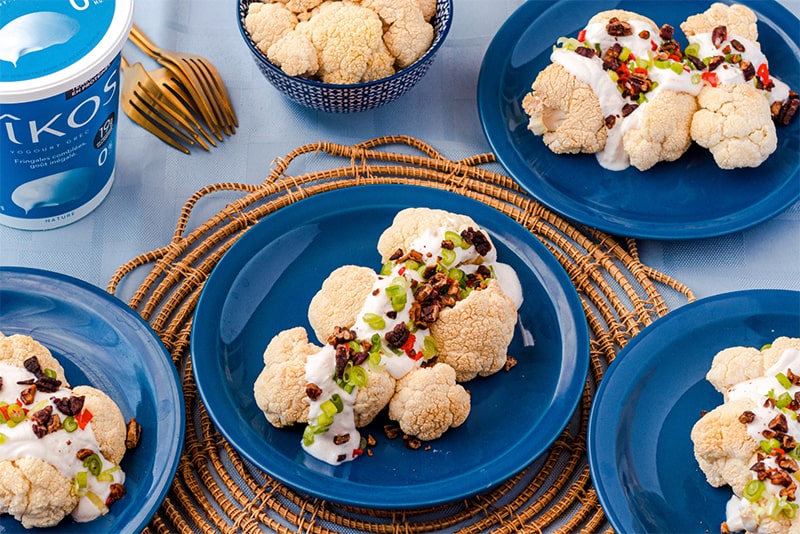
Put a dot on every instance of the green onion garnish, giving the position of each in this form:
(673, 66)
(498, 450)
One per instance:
(783, 380)
(753, 490)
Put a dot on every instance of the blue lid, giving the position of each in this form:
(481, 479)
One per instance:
(50, 43)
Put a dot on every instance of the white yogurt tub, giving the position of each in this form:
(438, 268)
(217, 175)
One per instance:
(59, 105)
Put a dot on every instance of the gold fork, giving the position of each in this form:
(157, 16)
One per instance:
(143, 102)
(200, 78)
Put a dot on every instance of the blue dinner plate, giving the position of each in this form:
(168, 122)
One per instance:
(101, 342)
(264, 284)
(640, 451)
(688, 198)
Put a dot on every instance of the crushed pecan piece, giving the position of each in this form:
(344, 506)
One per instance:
(738, 46)
(747, 417)
(313, 391)
(715, 62)
(719, 35)
(71, 405)
(510, 363)
(133, 434)
(392, 430)
(116, 492)
(82, 454)
(412, 442)
(341, 439)
(28, 394)
(398, 335)
(610, 121)
(477, 239)
(618, 28)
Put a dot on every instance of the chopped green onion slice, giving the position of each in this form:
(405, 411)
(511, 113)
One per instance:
(337, 401)
(387, 267)
(783, 380)
(765, 347)
(783, 400)
(454, 238)
(399, 302)
(93, 463)
(768, 444)
(328, 408)
(374, 359)
(692, 50)
(16, 413)
(308, 436)
(375, 340)
(3, 438)
(613, 75)
(696, 78)
(428, 347)
(358, 376)
(753, 490)
(677, 68)
(448, 256)
(50, 373)
(81, 478)
(70, 424)
(324, 420)
(623, 56)
(455, 274)
(412, 264)
(97, 501)
(375, 321)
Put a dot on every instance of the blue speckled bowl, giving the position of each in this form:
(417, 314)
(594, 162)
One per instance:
(352, 97)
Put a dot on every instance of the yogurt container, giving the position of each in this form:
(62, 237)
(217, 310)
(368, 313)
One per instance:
(59, 107)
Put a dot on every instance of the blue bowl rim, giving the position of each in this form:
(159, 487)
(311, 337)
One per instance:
(259, 56)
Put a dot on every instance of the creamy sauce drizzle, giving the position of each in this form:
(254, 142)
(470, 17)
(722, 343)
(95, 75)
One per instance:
(759, 390)
(590, 71)
(57, 448)
(320, 367)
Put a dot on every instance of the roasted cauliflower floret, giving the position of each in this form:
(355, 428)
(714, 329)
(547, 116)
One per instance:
(280, 389)
(410, 223)
(35, 492)
(723, 448)
(340, 299)
(428, 402)
(735, 123)
(566, 112)
(300, 6)
(739, 19)
(294, 54)
(267, 23)
(345, 37)
(108, 423)
(461, 333)
(663, 130)
(407, 33)
(17, 348)
(737, 364)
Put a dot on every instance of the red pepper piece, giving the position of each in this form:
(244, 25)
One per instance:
(763, 74)
(401, 270)
(710, 78)
(582, 35)
(653, 45)
(83, 418)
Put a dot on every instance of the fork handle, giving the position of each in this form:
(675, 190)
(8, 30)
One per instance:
(147, 46)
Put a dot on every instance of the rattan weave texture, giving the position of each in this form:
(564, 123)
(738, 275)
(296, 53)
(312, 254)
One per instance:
(215, 490)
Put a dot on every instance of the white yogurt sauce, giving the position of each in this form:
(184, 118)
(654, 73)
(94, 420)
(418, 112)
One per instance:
(758, 390)
(732, 74)
(321, 367)
(590, 71)
(57, 448)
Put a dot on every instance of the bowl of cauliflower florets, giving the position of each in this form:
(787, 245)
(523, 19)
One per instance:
(344, 56)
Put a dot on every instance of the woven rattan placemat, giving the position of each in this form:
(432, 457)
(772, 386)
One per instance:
(216, 490)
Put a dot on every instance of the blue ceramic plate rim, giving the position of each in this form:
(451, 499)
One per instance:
(133, 512)
(733, 313)
(610, 201)
(347, 202)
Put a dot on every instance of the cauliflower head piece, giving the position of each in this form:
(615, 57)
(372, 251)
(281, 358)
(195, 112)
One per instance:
(735, 123)
(428, 401)
(35, 492)
(410, 223)
(723, 448)
(17, 348)
(280, 389)
(739, 20)
(108, 423)
(267, 23)
(566, 112)
(461, 332)
(663, 130)
(345, 36)
(294, 54)
(340, 299)
(733, 365)
(407, 33)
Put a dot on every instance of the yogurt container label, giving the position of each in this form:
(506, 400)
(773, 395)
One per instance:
(59, 104)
